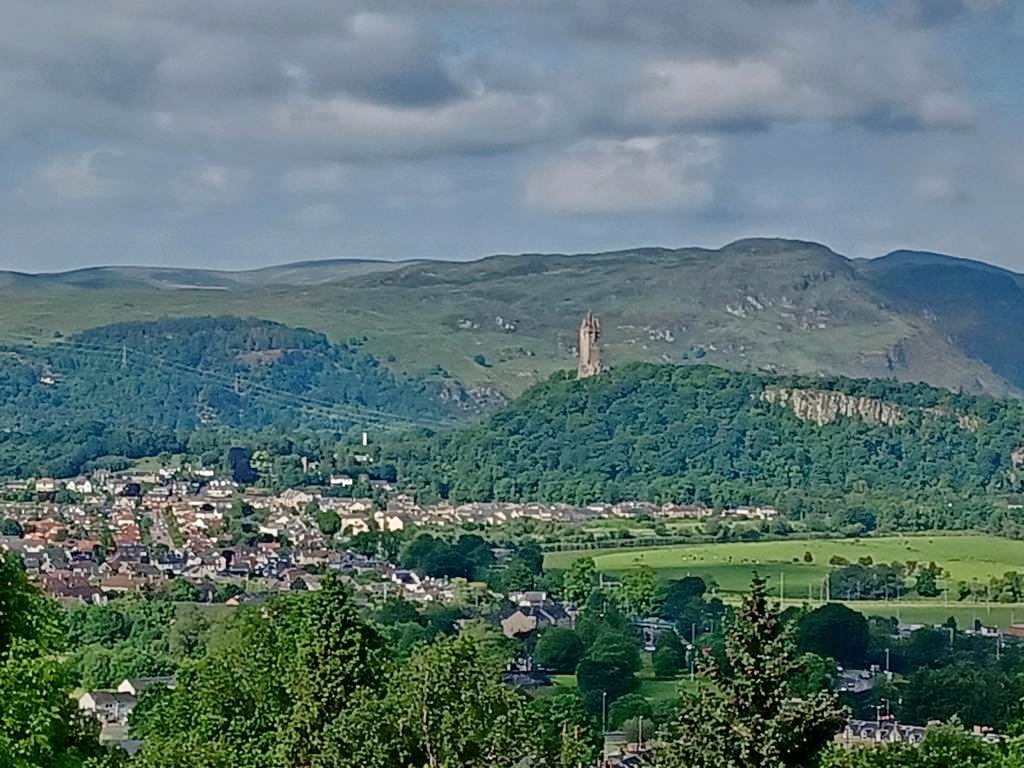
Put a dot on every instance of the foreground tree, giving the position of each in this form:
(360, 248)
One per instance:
(267, 688)
(446, 707)
(40, 725)
(747, 717)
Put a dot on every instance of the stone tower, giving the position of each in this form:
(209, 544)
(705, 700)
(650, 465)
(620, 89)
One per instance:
(590, 355)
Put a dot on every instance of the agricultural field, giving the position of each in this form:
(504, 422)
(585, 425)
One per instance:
(932, 612)
(804, 564)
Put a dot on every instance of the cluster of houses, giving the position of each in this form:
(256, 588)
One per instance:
(889, 731)
(86, 538)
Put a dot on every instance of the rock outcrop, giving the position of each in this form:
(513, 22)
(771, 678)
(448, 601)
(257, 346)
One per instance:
(1017, 457)
(822, 406)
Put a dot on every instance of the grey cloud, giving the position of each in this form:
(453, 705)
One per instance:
(187, 106)
(344, 80)
(937, 188)
(927, 13)
(641, 174)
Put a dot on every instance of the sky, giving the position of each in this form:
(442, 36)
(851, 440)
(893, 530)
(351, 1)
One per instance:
(240, 133)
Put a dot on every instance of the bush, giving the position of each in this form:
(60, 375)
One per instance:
(559, 650)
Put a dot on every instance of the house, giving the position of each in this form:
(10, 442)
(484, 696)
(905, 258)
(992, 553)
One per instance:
(108, 706)
(879, 731)
(354, 525)
(46, 485)
(529, 598)
(170, 562)
(343, 481)
(82, 485)
(295, 499)
(525, 620)
(221, 489)
(387, 521)
(121, 583)
(136, 685)
(408, 580)
(67, 586)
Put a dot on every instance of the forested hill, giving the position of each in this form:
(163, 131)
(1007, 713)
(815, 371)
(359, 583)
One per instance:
(136, 389)
(699, 433)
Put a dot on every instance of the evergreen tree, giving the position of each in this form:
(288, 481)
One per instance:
(746, 717)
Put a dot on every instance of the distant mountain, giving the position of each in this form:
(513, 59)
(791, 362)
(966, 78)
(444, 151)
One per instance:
(172, 278)
(500, 324)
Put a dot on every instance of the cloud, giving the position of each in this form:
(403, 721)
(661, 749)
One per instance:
(322, 177)
(940, 189)
(850, 70)
(318, 216)
(343, 126)
(927, 13)
(330, 81)
(208, 185)
(256, 112)
(88, 177)
(641, 174)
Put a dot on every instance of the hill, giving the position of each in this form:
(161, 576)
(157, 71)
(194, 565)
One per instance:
(137, 389)
(702, 434)
(176, 279)
(978, 307)
(774, 305)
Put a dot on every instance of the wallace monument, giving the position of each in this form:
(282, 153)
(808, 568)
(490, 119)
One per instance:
(589, 354)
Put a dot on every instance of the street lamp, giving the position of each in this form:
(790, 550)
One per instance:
(604, 712)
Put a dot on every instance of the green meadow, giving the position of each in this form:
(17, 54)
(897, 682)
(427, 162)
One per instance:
(802, 565)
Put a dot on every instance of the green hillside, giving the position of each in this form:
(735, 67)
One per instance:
(703, 434)
(775, 305)
(980, 308)
(136, 389)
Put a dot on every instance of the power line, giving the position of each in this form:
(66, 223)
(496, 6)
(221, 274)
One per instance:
(341, 411)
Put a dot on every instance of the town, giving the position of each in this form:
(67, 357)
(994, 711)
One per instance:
(88, 538)
(198, 535)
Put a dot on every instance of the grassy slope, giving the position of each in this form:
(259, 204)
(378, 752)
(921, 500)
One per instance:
(791, 306)
(966, 557)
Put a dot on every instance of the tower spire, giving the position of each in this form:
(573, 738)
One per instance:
(589, 352)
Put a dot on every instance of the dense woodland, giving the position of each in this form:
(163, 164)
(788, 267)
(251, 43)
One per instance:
(139, 389)
(703, 434)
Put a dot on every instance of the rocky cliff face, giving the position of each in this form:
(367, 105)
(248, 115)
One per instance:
(1017, 457)
(823, 407)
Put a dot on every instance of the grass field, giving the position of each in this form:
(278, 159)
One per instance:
(966, 558)
(650, 688)
(1000, 615)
